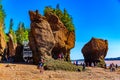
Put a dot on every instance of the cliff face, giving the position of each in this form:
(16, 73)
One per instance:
(49, 37)
(95, 51)
(2, 41)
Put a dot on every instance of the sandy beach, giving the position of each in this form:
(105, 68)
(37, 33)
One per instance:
(30, 72)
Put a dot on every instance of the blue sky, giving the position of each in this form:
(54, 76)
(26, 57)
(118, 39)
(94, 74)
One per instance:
(92, 18)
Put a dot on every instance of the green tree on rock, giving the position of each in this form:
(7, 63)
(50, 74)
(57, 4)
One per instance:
(48, 9)
(63, 16)
(58, 12)
(2, 17)
(67, 21)
(2, 14)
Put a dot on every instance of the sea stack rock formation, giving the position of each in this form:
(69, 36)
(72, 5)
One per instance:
(41, 39)
(95, 51)
(64, 39)
(49, 37)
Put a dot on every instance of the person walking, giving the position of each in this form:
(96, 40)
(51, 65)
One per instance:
(41, 65)
(83, 67)
(116, 66)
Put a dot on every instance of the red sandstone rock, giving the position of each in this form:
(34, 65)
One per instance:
(64, 39)
(49, 37)
(95, 51)
(41, 37)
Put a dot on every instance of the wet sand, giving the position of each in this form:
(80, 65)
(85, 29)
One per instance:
(113, 61)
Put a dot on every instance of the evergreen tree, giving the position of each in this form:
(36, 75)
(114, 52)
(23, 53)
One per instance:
(2, 25)
(58, 12)
(2, 14)
(57, 6)
(48, 9)
(22, 33)
(11, 31)
(67, 20)
(11, 26)
(63, 16)
(26, 32)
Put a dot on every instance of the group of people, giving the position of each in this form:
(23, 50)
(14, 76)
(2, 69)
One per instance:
(113, 67)
(82, 64)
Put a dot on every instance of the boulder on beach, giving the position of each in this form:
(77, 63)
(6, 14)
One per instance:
(95, 51)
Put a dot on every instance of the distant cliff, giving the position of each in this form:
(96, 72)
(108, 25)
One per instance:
(118, 58)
